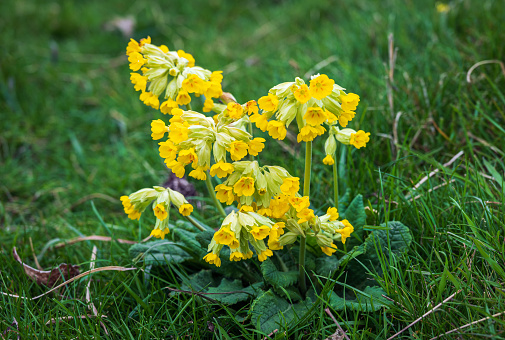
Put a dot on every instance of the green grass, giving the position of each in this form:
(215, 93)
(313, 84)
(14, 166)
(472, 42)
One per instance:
(73, 127)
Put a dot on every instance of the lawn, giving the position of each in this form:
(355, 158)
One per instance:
(74, 138)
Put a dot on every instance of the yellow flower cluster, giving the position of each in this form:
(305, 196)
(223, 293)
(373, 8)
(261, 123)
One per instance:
(193, 138)
(321, 102)
(171, 74)
(161, 199)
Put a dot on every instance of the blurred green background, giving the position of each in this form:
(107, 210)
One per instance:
(72, 130)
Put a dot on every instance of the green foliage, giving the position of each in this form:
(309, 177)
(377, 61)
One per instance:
(369, 300)
(278, 278)
(159, 252)
(356, 215)
(270, 312)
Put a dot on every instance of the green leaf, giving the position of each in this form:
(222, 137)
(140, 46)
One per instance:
(375, 245)
(237, 291)
(325, 265)
(277, 278)
(370, 300)
(189, 240)
(492, 262)
(204, 238)
(199, 282)
(270, 312)
(159, 252)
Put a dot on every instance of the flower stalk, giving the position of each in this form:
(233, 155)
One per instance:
(306, 192)
(212, 194)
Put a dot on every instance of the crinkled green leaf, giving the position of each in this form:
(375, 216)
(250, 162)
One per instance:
(277, 278)
(237, 291)
(159, 252)
(370, 300)
(399, 238)
(183, 224)
(325, 265)
(356, 215)
(189, 240)
(204, 238)
(270, 312)
(199, 282)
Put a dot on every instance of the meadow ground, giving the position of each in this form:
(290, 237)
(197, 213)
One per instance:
(74, 137)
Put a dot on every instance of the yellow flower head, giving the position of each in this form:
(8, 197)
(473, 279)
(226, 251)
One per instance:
(133, 46)
(246, 208)
(251, 107)
(238, 150)
(273, 244)
(139, 81)
(346, 231)
(359, 139)
(265, 255)
(214, 91)
(315, 116)
(224, 236)
(136, 61)
(236, 256)
(321, 86)
(158, 233)
(256, 146)
(234, 244)
(129, 209)
(225, 194)
(216, 76)
(183, 98)
(260, 232)
(208, 105)
(268, 103)
(160, 212)
(193, 84)
(261, 121)
(299, 203)
(279, 206)
(168, 105)
(244, 186)
(277, 129)
(277, 230)
(329, 250)
(305, 215)
(176, 167)
(349, 101)
(235, 110)
(213, 259)
(221, 169)
(158, 129)
(346, 117)
(178, 132)
(290, 186)
(328, 160)
(333, 212)
(167, 150)
(187, 156)
(150, 99)
(302, 94)
(249, 255)
(309, 133)
(199, 173)
(186, 209)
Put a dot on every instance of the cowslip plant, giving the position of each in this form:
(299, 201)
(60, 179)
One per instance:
(273, 213)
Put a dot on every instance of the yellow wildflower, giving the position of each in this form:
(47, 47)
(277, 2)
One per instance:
(333, 212)
(305, 215)
(265, 255)
(183, 98)
(158, 233)
(302, 94)
(160, 212)
(346, 117)
(186, 209)
(260, 232)
(268, 103)
(193, 84)
(178, 133)
(329, 250)
(133, 46)
(277, 129)
(273, 244)
(150, 99)
(216, 76)
(238, 150)
(277, 230)
(208, 105)
(176, 167)
(136, 61)
(213, 259)
(256, 146)
(290, 186)
(235, 110)
(349, 101)
(187, 156)
(224, 236)
(158, 129)
(251, 107)
(167, 150)
(359, 139)
(187, 56)
(299, 203)
(139, 81)
(279, 206)
(244, 186)
(225, 194)
(261, 121)
(199, 173)
(246, 208)
(214, 90)
(315, 116)
(346, 231)
(328, 160)
(236, 256)
(321, 86)
(221, 169)
(248, 255)
(234, 244)
(168, 105)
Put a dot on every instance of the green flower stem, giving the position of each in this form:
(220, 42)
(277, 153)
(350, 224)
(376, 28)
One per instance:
(195, 223)
(335, 183)
(188, 106)
(212, 194)
(306, 192)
